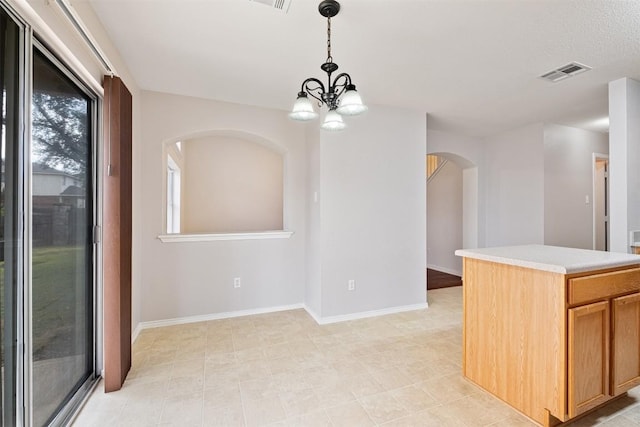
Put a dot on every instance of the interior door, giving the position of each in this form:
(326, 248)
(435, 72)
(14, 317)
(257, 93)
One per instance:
(601, 204)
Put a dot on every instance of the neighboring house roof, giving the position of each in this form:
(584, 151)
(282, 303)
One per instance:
(44, 169)
(74, 190)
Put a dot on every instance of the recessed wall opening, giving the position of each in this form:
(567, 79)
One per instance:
(223, 183)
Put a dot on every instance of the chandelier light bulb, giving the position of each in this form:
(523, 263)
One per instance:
(302, 109)
(333, 121)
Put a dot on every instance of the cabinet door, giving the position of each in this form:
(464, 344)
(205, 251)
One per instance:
(588, 361)
(625, 348)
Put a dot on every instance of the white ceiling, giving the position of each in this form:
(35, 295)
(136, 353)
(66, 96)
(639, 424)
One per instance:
(472, 65)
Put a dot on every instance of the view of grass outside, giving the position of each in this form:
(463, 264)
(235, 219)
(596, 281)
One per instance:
(58, 283)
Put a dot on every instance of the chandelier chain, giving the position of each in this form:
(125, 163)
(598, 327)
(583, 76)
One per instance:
(329, 57)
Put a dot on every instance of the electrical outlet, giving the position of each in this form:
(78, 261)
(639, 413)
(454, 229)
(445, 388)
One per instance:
(352, 285)
(236, 282)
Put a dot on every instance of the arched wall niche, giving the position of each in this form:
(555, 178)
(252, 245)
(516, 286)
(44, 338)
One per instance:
(229, 182)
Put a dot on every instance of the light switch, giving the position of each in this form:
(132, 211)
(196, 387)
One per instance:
(586, 199)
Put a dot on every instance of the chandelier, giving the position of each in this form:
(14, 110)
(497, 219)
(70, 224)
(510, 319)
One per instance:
(340, 96)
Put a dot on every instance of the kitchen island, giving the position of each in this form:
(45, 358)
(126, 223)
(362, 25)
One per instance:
(554, 332)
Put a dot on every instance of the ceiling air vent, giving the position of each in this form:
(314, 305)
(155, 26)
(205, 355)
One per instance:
(569, 70)
(281, 5)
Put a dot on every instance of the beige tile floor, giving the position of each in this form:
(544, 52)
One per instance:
(282, 369)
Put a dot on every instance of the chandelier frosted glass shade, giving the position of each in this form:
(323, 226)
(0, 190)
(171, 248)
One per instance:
(302, 109)
(351, 103)
(333, 121)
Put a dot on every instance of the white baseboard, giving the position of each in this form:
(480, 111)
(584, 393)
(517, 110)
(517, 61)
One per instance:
(206, 317)
(320, 320)
(135, 333)
(313, 314)
(444, 270)
(364, 314)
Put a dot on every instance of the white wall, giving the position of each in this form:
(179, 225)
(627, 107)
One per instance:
(231, 185)
(624, 161)
(313, 290)
(373, 212)
(530, 185)
(470, 208)
(444, 219)
(189, 279)
(514, 188)
(471, 149)
(568, 180)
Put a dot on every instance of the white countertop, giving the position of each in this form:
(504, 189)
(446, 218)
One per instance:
(552, 258)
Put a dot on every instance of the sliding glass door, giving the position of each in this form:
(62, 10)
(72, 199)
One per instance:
(62, 239)
(47, 279)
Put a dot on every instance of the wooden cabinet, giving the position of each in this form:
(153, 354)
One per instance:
(604, 285)
(551, 345)
(625, 343)
(603, 338)
(603, 351)
(588, 342)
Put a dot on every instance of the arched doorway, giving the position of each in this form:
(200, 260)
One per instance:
(452, 210)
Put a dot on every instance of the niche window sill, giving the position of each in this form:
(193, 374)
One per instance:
(256, 235)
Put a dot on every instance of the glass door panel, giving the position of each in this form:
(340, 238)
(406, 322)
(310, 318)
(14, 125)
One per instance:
(10, 77)
(62, 246)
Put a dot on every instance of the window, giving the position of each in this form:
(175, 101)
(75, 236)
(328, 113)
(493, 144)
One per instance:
(173, 196)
